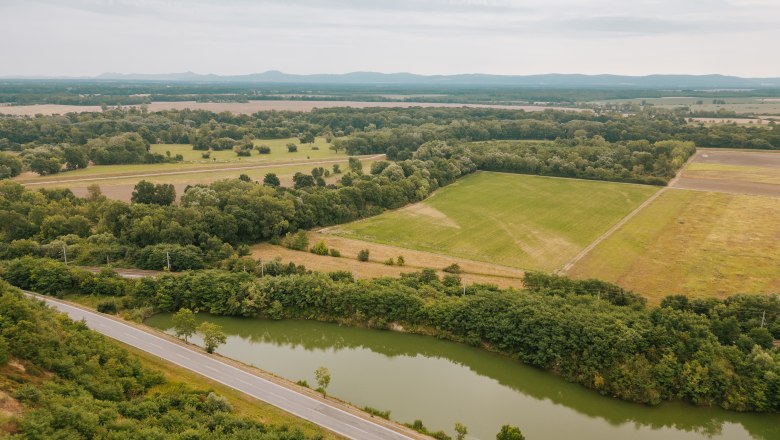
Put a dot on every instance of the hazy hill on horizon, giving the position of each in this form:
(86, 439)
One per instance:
(476, 79)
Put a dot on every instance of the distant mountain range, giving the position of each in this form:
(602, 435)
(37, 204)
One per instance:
(477, 79)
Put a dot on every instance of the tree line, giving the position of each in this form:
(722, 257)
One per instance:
(707, 352)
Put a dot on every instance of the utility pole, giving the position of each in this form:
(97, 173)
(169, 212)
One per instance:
(168, 259)
(65, 253)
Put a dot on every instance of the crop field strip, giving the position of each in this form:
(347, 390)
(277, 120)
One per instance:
(719, 240)
(521, 221)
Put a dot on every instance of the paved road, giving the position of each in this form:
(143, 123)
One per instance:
(323, 414)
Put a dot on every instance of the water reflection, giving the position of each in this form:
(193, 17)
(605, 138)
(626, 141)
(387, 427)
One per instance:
(443, 382)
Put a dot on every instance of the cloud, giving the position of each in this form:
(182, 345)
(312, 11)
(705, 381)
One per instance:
(427, 36)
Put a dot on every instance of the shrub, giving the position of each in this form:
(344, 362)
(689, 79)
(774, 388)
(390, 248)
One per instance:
(206, 155)
(108, 306)
(400, 261)
(334, 252)
(292, 148)
(390, 262)
(453, 268)
(303, 383)
(263, 149)
(320, 248)
(363, 255)
(298, 241)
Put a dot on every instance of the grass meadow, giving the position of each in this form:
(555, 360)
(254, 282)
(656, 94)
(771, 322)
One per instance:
(527, 222)
(695, 243)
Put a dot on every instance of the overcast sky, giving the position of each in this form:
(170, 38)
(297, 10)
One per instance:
(634, 37)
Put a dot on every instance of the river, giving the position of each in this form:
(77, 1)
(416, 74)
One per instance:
(441, 382)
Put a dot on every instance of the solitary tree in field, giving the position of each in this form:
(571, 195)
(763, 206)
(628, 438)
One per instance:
(323, 378)
(213, 336)
(184, 323)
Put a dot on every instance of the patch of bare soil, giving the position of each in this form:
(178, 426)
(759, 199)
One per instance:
(424, 210)
(732, 182)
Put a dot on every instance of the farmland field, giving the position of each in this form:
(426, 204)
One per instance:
(731, 171)
(695, 243)
(743, 105)
(528, 222)
(250, 107)
(278, 151)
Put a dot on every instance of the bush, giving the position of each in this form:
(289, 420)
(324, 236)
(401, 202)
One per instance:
(292, 148)
(108, 306)
(453, 268)
(363, 255)
(181, 257)
(400, 261)
(390, 262)
(320, 248)
(298, 241)
(334, 252)
(263, 149)
(206, 155)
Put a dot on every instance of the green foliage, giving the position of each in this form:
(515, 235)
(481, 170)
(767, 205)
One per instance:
(263, 149)
(118, 149)
(453, 268)
(400, 261)
(334, 252)
(461, 430)
(86, 386)
(271, 179)
(156, 257)
(320, 248)
(213, 336)
(377, 412)
(363, 255)
(298, 241)
(184, 323)
(292, 148)
(390, 262)
(10, 165)
(108, 306)
(150, 193)
(510, 433)
(322, 375)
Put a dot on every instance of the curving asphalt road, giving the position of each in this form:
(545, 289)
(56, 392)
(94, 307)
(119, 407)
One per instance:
(321, 413)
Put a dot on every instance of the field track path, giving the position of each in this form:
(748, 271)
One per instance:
(197, 170)
(567, 267)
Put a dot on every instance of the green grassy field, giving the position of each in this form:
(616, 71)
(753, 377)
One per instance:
(278, 152)
(695, 243)
(528, 222)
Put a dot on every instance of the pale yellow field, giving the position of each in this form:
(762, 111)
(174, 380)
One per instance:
(694, 243)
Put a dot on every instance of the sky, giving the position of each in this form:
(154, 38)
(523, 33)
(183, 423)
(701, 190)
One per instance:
(231, 37)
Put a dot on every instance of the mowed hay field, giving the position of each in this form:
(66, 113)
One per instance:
(528, 222)
(695, 243)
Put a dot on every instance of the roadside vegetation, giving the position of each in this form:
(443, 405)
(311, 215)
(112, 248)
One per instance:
(71, 382)
(706, 352)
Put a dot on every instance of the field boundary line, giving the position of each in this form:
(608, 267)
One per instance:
(567, 267)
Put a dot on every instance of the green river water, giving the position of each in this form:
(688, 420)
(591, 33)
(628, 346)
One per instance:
(440, 382)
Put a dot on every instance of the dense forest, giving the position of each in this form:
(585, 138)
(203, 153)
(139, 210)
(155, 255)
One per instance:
(71, 382)
(50, 144)
(706, 352)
